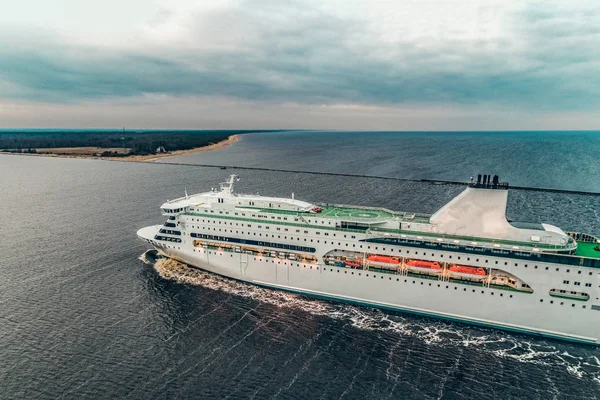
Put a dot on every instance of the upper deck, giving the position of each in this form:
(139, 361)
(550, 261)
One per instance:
(474, 219)
(368, 215)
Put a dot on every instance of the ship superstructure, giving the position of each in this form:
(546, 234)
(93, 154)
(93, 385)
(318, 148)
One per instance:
(465, 262)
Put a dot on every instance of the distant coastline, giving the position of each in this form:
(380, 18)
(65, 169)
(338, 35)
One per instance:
(95, 152)
(214, 146)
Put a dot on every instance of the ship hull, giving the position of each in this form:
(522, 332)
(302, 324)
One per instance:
(477, 305)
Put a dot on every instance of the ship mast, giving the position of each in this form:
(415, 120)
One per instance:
(227, 187)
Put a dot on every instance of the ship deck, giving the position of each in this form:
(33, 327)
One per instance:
(342, 212)
(587, 250)
(353, 213)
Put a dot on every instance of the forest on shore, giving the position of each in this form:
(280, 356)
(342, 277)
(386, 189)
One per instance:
(139, 142)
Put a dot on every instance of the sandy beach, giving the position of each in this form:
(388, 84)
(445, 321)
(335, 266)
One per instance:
(153, 157)
(147, 158)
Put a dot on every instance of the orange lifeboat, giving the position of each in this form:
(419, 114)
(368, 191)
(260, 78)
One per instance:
(424, 267)
(464, 272)
(352, 263)
(387, 262)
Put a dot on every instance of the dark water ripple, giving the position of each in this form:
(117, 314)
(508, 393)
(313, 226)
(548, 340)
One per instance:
(82, 316)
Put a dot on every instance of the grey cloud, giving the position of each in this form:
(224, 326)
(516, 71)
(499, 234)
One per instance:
(308, 58)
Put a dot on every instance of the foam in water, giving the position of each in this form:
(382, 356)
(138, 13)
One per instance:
(431, 332)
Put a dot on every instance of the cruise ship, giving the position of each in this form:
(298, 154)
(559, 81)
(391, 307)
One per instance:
(467, 262)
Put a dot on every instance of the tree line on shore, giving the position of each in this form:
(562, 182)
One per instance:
(140, 142)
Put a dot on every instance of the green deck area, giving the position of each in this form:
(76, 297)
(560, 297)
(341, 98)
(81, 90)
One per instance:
(587, 250)
(353, 213)
(335, 212)
(341, 213)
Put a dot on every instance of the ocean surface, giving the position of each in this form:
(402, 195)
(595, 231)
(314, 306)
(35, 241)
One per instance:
(81, 316)
(559, 160)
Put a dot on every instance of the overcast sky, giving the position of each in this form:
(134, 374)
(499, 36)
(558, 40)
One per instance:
(333, 64)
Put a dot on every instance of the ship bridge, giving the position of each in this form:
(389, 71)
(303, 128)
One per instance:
(225, 198)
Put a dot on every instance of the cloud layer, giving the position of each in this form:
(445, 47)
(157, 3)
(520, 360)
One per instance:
(476, 55)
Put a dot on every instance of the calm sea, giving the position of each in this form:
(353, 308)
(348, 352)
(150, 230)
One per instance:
(81, 316)
(560, 160)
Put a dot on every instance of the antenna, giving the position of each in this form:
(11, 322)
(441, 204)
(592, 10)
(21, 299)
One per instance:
(186, 195)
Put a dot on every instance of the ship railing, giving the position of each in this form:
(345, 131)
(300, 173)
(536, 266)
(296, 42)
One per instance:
(448, 240)
(583, 237)
(394, 213)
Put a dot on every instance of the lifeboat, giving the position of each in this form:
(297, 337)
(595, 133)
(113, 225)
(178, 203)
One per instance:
(464, 272)
(424, 267)
(387, 262)
(316, 209)
(352, 263)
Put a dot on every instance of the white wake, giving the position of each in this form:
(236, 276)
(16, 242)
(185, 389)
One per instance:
(432, 332)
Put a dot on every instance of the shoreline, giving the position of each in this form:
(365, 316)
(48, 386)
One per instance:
(147, 158)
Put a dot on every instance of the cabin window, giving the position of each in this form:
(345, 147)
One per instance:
(566, 282)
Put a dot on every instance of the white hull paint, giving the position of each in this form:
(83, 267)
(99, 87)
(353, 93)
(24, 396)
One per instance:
(478, 305)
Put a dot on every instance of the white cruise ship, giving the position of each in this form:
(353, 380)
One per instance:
(466, 262)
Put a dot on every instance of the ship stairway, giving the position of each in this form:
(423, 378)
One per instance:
(303, 220)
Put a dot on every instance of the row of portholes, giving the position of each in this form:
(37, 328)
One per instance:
(562, 303)
(265, 259)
